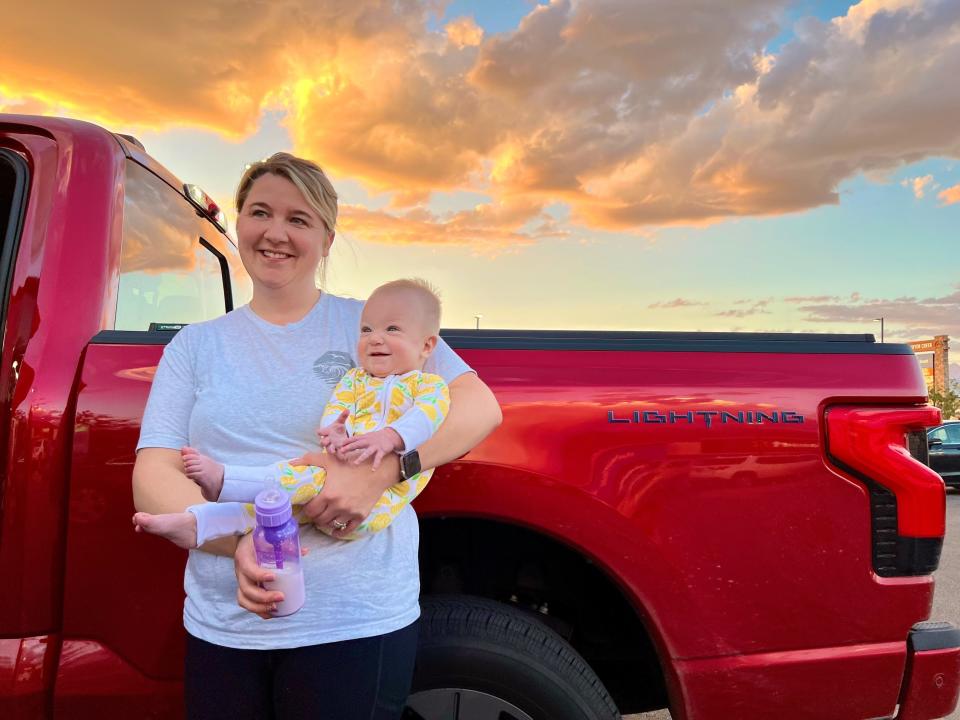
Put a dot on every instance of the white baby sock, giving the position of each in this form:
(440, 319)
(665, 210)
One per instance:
(220, 519)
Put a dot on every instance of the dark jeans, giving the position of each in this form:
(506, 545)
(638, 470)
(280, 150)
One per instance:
(365, 679)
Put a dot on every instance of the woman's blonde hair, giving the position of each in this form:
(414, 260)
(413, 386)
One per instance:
(309, 179)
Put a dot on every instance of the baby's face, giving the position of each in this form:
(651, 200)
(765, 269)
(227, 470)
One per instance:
(393, 338)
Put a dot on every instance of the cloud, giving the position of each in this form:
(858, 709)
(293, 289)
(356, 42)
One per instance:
(950, 196)
(905, 318)
(861, 16)
(367, 90)
(633, 115)
(409, 198)
(487, 227)
(464, 32)
(759, 309)
(597, 85)
(918, 185)
(396, 121)
(143, 65)
(800, 299)
(371, 92)
(840, 99)
(951, 299)
(677, 303)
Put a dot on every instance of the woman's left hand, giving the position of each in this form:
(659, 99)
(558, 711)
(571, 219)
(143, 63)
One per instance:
(349, 492)
(251, 594)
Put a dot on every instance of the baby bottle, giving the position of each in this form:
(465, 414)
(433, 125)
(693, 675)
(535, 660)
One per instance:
(277, 542)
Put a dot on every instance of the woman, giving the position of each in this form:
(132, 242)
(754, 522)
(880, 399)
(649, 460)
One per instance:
(249, 387)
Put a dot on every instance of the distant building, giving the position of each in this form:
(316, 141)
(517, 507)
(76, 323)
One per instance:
(933, 356)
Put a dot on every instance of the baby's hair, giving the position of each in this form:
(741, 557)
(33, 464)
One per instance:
(429, 299)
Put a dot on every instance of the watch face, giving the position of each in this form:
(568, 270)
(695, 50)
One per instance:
(411, 464)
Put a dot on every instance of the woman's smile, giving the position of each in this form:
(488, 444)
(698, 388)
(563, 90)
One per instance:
(275, 255)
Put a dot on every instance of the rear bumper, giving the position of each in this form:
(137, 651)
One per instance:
(851, 682)
(931, 682)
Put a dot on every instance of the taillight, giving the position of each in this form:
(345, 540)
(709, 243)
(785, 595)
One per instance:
(908, 501)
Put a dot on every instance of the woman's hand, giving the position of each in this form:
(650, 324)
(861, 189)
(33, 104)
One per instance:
(349, 492)
(250, 595)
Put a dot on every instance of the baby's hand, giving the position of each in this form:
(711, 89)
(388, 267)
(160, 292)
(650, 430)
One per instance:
(375, 444)
(334, 435)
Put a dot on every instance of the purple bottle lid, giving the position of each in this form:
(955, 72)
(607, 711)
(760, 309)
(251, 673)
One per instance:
(272, 507)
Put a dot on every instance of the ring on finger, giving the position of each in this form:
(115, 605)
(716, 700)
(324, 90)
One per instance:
(339, 525)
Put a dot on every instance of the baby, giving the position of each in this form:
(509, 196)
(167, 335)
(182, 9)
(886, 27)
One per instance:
(387, 405)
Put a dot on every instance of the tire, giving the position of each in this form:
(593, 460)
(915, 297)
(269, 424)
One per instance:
(483, 660)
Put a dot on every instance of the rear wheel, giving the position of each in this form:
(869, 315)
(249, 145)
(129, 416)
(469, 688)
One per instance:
(483, 660)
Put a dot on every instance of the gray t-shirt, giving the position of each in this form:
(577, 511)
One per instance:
(245, 391)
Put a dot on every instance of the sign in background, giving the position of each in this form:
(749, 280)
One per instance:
(926, 367)
(933, 356)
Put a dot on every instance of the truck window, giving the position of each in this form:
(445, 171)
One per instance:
(167, 275)
(8, 178)
(952, 434)
(13, 188)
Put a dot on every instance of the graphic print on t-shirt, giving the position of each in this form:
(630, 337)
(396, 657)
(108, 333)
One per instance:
(331, 366)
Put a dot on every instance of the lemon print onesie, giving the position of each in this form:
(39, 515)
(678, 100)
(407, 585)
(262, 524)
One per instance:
(413, 404)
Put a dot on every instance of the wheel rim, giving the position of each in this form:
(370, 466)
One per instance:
(460, 704)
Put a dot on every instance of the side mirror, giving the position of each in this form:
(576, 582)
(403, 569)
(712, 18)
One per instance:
(934, 442)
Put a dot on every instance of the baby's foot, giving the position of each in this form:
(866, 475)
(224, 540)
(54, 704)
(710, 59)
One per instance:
(178, 528)
(205, 472)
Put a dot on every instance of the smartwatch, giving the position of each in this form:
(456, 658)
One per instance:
(409, 464)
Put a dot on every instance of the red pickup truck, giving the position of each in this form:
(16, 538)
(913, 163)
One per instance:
(737, 526)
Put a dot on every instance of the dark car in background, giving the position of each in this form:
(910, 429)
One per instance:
(944, 444)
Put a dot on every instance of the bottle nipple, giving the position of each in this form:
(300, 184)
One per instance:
(272, 495)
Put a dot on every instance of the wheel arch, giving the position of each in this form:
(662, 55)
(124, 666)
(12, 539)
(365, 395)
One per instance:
(531, 569)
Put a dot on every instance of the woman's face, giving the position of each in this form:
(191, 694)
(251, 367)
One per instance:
(281, 238)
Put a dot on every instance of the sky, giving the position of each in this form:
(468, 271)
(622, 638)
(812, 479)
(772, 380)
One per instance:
(746, 165)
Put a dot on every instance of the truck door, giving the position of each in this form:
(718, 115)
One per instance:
(123, 600)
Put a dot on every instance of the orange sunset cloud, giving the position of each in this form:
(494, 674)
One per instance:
(464, 31)
(950, 196)
(486, 228)
(632, 114)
